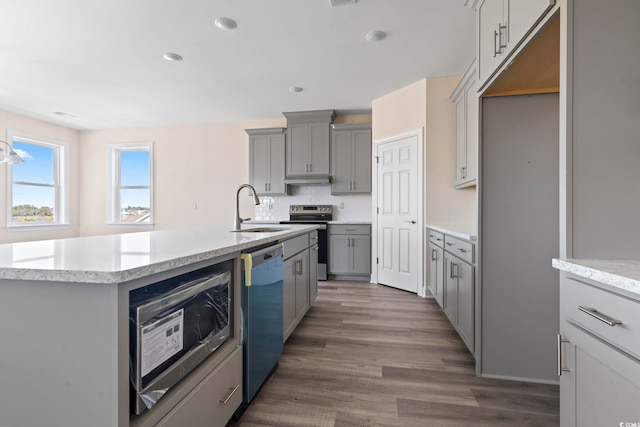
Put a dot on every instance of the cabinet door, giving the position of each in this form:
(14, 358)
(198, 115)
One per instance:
(361, 140)
(275, 184)
(289, 296)
(521, 16)
(451, 288)
(602, 386)
(461, 141)
(466, 303)
(436, 273)
(490, 18)
(297, 149)
(471, 119)
(338, 254)
(342, 162)
(313, 273)
(259, 162)
(319, 149)
(302, 284)
(360, 252)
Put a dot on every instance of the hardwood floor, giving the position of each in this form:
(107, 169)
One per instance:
(370, 355)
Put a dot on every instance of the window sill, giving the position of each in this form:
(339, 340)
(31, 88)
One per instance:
(12, 228)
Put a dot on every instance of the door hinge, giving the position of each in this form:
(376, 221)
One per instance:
(377, 260)
(377, 159)
(378, 211)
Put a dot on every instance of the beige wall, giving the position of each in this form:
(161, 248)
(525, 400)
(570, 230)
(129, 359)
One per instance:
(443, 203)
(399, 112)
(38, 128)
(197, 169)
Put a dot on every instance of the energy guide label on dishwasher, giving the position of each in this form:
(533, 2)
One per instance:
(161, 340)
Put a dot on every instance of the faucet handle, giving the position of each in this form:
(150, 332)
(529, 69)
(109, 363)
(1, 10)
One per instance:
(244, 219)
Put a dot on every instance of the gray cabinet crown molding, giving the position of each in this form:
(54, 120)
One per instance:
(313, 116)
(265, 131)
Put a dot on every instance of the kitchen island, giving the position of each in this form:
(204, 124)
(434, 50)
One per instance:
(64, 358)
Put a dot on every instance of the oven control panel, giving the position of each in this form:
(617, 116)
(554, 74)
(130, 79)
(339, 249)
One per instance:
(310, 209)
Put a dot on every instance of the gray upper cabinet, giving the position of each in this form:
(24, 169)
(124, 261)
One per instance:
(502, 25)
(465, 100)
(266, 160)
(350, 159)
(307, 143)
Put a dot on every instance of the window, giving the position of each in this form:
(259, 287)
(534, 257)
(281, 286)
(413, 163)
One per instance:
(37, 188)
(131, 202)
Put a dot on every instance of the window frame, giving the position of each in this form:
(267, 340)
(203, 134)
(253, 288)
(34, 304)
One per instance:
(115, 176)
(60, 186)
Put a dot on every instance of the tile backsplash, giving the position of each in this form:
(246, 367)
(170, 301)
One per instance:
(356, 207)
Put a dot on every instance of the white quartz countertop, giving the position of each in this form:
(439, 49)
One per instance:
(467, 232)
(347, 222)
(623, 275)
(122, 257)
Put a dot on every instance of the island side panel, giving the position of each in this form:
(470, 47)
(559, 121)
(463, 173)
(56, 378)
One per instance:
(59, 352)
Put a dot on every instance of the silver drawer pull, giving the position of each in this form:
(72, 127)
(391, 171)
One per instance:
(448, 244)
(601, 317)
(462, 250)
(233, 391)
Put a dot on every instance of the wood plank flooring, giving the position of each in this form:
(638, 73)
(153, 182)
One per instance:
(370, 355)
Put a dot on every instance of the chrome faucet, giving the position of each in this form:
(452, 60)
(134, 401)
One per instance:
(237, 220)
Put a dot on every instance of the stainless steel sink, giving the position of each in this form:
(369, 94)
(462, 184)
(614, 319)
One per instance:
(261, 230)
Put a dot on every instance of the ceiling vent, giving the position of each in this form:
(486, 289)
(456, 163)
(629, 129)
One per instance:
(335, 3)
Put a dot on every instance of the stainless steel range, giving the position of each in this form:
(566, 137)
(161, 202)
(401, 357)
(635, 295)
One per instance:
(314, 214)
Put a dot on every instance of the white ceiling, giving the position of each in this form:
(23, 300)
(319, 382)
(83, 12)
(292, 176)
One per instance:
(102, 60)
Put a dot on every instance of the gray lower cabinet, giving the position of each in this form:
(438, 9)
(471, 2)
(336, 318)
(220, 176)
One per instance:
(599, 363)
(350, 159)
(459, 297)
(300, 280)
(435, 261)
(214, 400)
(266, 160)
(350, 250)
(313, 273)
(307, 143)
(451, 280)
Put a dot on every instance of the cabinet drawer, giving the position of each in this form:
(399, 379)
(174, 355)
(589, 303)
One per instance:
(436, 237)
(295, 245)
(460, 248)
(575, 294)
(205, 405)
(349, 229)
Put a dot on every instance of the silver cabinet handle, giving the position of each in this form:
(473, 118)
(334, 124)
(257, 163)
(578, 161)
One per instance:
(265, 186)
(434, 255)
(463, 172)
(449, 244)
(413, 221)
(451, 266)
(601, 317)
(462, 250)
(233, 391)
(560, 368)
(495, 44)
(500, 45)
(269, 185)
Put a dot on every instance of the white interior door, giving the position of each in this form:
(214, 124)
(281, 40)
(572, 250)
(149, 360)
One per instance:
(398, 218)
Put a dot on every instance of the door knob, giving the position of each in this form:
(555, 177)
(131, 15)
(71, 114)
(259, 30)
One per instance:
(413, 221)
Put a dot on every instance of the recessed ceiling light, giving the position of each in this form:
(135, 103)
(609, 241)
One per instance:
(226, 24)
(375, 36)
(335, 3)
(62, 113)
(295, 89)
(173, 57)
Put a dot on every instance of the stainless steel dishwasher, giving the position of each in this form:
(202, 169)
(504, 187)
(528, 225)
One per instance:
(262, 310)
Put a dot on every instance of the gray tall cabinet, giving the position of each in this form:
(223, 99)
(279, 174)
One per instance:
(599, 204)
